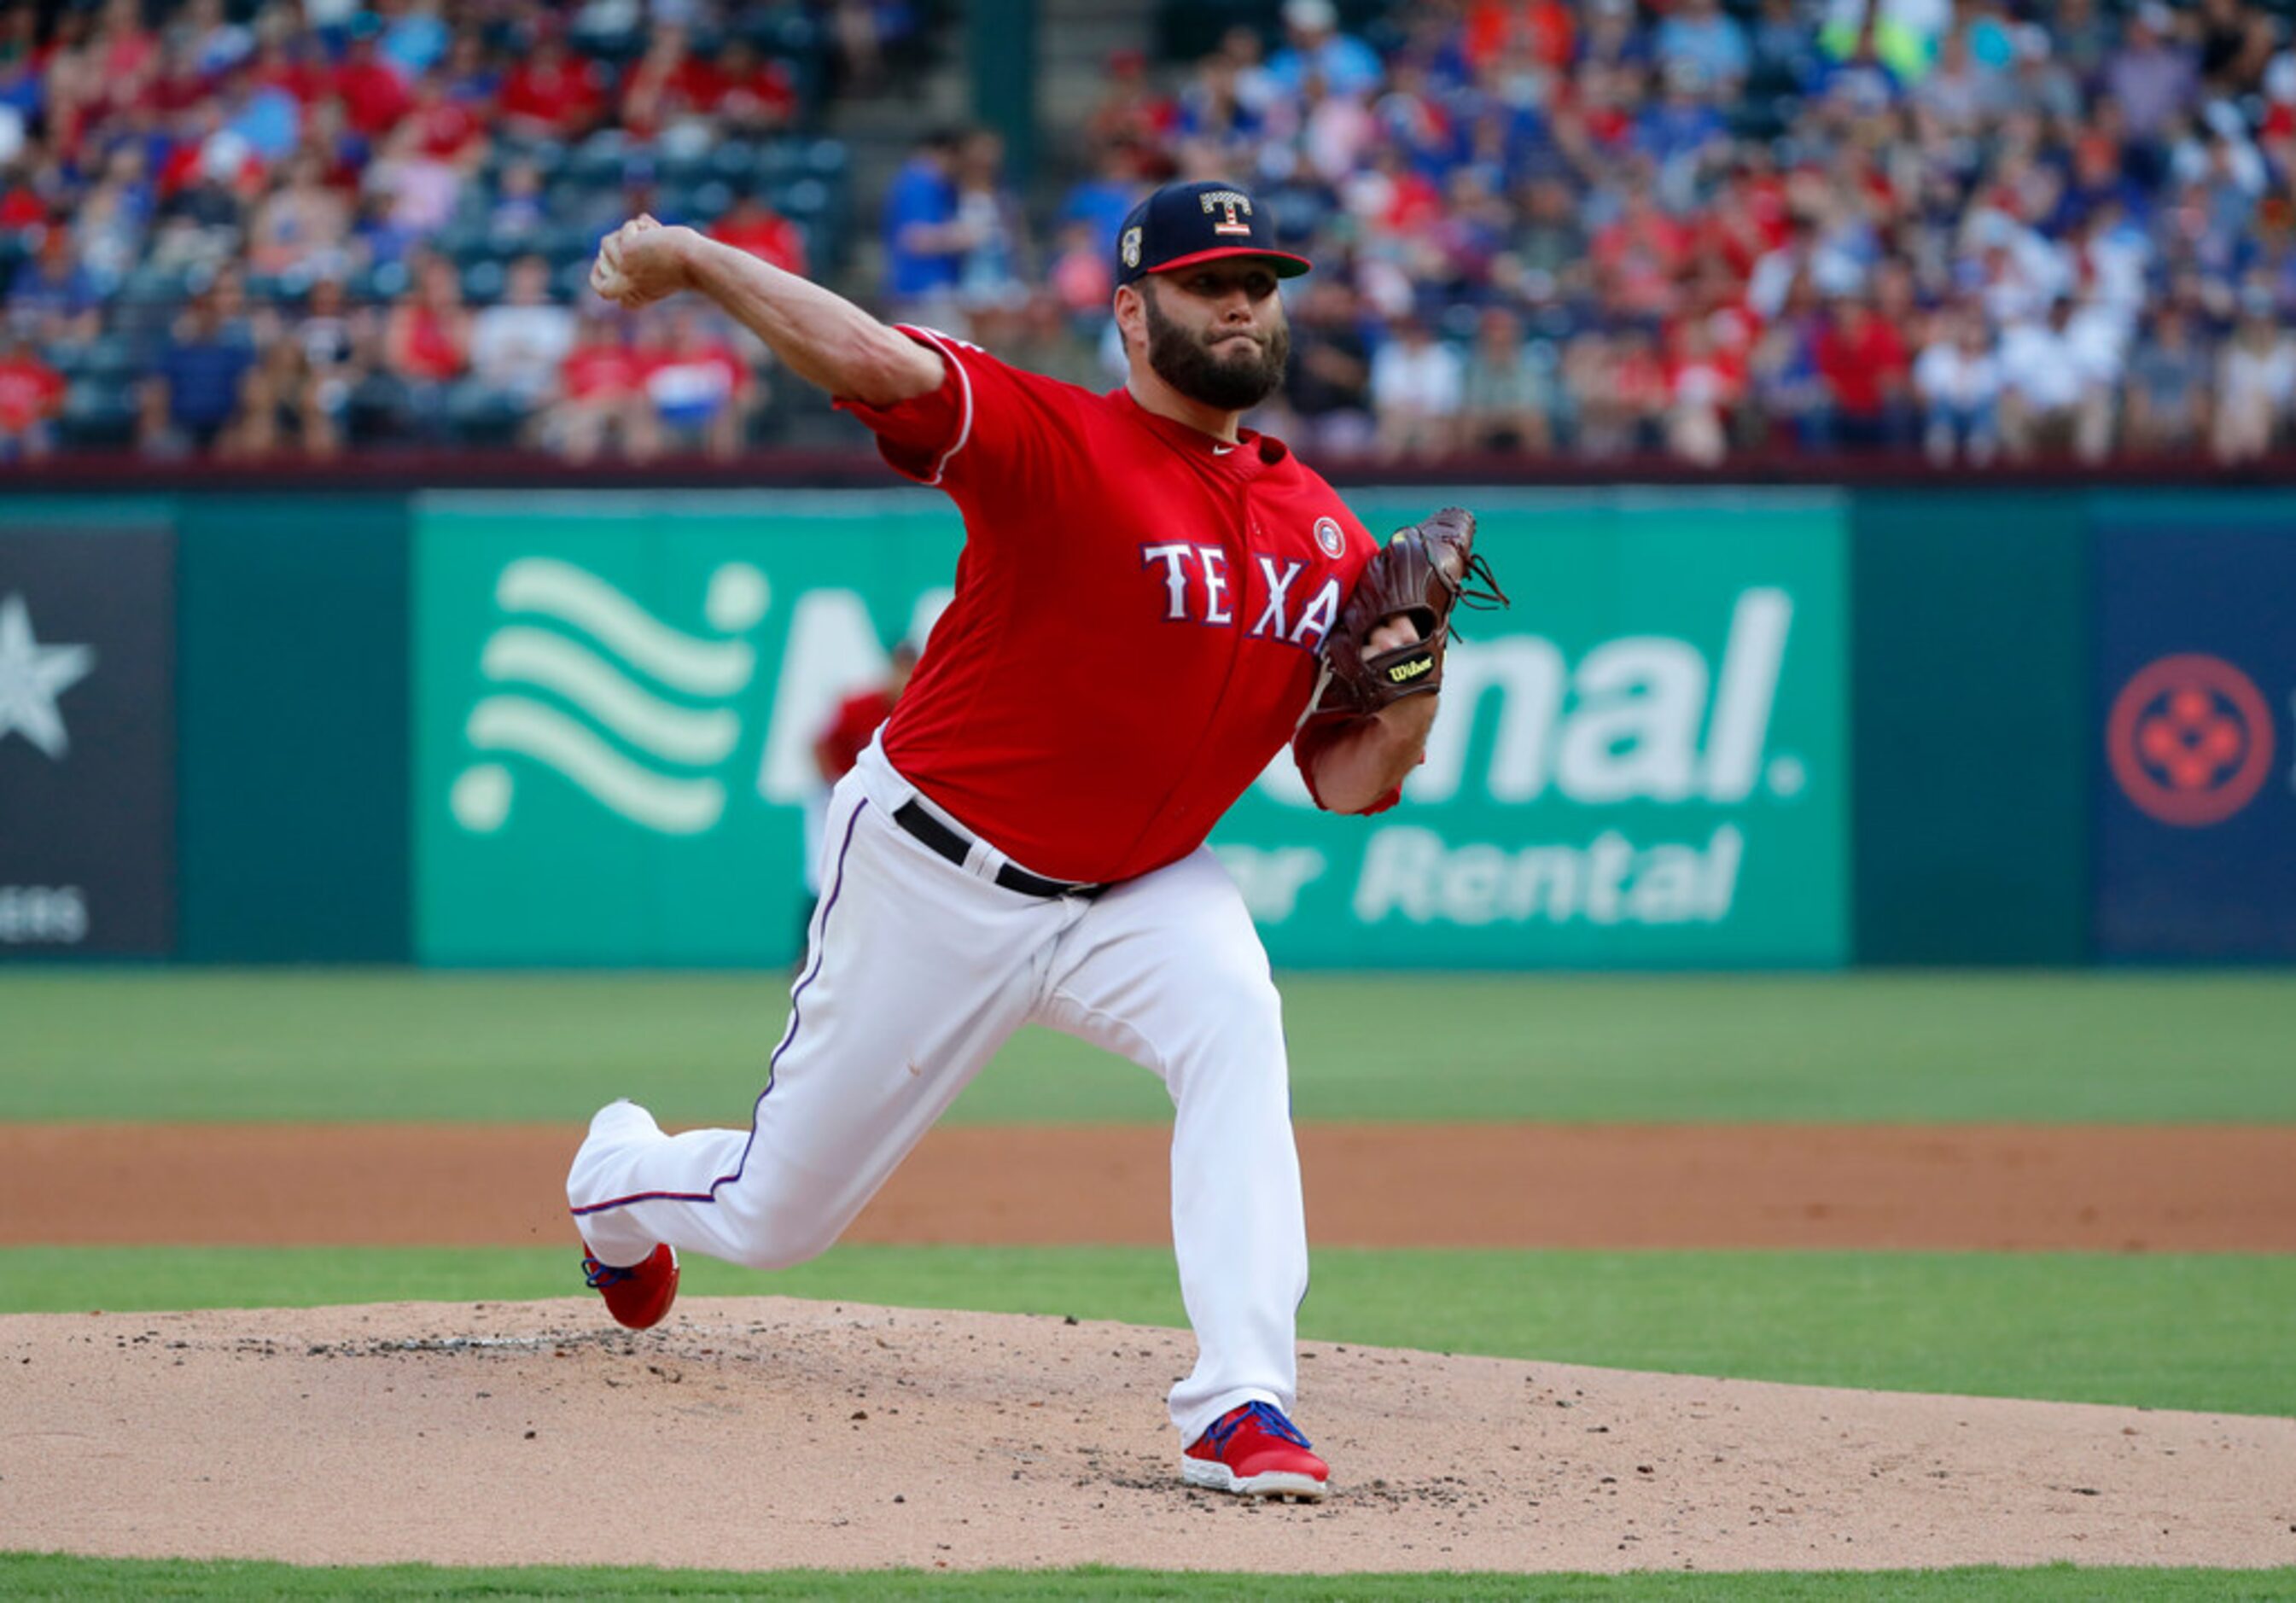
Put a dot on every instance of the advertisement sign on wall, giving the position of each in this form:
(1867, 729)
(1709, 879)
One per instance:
(615, 699)
(2196, 670)
(1643, 763)
(87, 798)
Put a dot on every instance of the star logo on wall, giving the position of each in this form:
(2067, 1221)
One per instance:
(32, 676)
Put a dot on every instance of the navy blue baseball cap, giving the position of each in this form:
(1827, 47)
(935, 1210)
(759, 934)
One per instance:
(1182, 224)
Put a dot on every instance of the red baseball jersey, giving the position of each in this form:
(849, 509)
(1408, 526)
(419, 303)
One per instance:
(1137, 616)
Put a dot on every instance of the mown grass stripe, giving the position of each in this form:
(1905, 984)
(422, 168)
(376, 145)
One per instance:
(1897, 1048)
(130, 1581)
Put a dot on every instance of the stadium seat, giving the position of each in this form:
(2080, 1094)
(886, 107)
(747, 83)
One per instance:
(777, 160)
(384, 281)
(98, 413)
(566, 241)
(480, 416)
(785, 32)
(483, 281)
(379, 409)
(805, 200)
(618, 47)
(155, 287)
(113, 358)
(548, 155)
(606, 157)
(683, 166)
(734, 161)
(828, 159)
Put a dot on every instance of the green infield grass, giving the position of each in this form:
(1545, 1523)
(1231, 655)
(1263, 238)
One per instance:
(333, 1045)
(43, 1576)
(2209, 1332)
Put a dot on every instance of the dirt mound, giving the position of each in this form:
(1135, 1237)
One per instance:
(761, 1433)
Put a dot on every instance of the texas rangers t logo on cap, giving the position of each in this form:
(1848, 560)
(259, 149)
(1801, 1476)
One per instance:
(1226, 201)
(1200, 220)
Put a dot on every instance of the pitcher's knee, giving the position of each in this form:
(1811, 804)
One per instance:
(779, 1232)
(1237, 1028)
(772, 1253)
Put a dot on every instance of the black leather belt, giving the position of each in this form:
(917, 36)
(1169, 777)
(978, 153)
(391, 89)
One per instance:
(956, 848)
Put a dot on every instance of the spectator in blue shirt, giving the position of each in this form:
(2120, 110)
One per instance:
(1104, 200)
(1701, 36)
(1680, 121)
(53, 296)
(414, 41)
(924, 241)
(192, 394)
(1347, 65)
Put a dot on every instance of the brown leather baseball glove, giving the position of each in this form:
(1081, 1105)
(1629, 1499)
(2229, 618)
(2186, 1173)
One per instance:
(1422, 573)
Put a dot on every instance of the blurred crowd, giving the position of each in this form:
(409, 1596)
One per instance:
(244, 227)
(1983, 229)
(1980, 229)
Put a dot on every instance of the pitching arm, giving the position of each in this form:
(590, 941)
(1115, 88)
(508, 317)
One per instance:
(822, 337)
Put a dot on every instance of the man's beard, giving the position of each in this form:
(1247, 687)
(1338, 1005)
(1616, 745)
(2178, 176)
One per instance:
(1187, 363)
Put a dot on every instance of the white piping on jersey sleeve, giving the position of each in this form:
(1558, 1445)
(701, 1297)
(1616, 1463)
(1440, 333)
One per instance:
(944, 344)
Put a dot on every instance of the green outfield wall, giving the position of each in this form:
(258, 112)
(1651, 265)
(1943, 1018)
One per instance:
(1718, 728)
(1969, 696)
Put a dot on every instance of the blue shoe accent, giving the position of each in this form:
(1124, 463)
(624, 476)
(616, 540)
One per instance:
(598, 1276)
(1271, 1420)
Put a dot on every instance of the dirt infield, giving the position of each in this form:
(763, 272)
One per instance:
(765, 1432)
(2114, 1188)
(768, 1433)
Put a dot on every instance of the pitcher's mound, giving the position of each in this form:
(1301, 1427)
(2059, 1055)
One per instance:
(765, 1432)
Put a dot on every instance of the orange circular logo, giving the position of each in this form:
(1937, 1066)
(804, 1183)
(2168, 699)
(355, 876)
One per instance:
(2189, 739)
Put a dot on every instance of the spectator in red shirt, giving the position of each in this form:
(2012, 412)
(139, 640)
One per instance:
(846, 735)
(1643, 254)
(451, 130)
(1498, 29)
(700, 389)
(837, 748)
(600, 394)
(126, 52)
(765, 233)
(31, 394)
(426, 344)
(551, 94)
(1704, 383)
(1644, 387)
(669, 84)
(373, 96)
(1866, 370)
(754, 95)
(1130, 110)
(288, 62)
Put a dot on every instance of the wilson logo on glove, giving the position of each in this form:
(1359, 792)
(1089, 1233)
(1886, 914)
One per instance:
(1423, 573)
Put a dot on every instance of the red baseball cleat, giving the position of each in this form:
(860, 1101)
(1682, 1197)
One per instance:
(639, 1295)
(1255, 1451)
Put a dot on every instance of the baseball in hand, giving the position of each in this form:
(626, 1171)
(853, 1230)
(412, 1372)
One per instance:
(632, 269)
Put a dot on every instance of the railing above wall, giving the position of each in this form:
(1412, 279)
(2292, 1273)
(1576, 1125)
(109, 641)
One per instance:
(785, 468)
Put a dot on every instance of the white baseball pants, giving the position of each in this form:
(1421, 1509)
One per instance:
(918, 971)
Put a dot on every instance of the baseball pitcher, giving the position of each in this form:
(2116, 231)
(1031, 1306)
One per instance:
(1152, 602)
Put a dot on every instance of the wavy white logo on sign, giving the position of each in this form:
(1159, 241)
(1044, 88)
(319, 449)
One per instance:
(575, 636)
